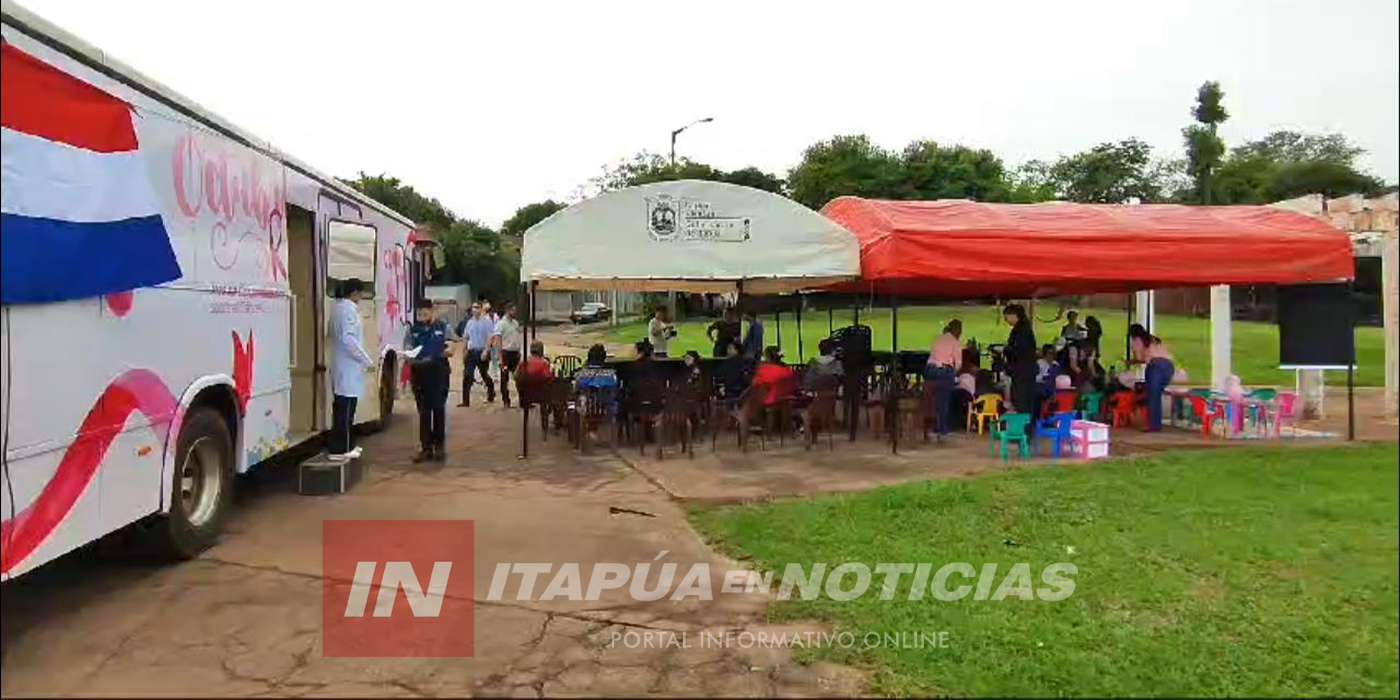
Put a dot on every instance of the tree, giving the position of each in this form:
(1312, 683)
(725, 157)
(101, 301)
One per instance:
(392, 193)
(755, 178)
(844, 165)
(646, 168)
(1287, 164)
(931, 171)
(1030, 183)
(528, 216)
(1327, 178)
(1204, 149)
(1285, 146)
(475, 254)
(1109, 173)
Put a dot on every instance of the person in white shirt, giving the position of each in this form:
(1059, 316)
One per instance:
(349, 363)
(477, 331)
(508, 340)
(659, 332)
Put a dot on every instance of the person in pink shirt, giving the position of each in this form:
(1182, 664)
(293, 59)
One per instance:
(943, 360)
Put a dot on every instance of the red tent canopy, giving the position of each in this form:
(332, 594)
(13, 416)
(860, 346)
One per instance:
(958, 248)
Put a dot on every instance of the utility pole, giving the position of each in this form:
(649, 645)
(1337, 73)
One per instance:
(677, 132)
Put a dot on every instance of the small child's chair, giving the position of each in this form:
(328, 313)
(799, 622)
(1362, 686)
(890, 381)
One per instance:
(1059, 427)
(984, 409)
(1012, 428)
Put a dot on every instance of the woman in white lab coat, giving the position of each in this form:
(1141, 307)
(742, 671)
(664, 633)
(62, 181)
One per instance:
(349, 364)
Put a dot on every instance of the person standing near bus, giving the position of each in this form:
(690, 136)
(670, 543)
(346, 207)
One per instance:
(349, 363)
(508, 340)
(427, 340)
(476, 331)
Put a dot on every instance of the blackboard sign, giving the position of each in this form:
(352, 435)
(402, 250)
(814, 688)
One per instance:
(1315, 326)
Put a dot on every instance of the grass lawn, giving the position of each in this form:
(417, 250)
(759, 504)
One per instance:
(1255, 344)
(1267, 571)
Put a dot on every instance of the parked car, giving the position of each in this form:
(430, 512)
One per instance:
(591, 312)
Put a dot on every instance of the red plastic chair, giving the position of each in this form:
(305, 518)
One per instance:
(1284, 408)
(1207, 413)
(1121, 407)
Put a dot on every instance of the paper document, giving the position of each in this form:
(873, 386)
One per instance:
(413, 353)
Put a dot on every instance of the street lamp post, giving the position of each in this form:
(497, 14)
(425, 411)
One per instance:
(677, 132)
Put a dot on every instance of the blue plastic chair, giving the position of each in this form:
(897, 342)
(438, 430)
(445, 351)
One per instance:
(1058, 427)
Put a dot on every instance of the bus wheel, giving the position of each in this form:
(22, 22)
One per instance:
(201, 490)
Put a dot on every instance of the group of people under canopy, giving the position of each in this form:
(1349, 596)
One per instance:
(1035, 374)
(1029, 375)
(725, 238)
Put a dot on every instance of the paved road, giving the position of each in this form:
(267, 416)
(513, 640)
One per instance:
(244, 619)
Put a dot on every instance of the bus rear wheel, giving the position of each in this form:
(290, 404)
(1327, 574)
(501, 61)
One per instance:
(201, 489)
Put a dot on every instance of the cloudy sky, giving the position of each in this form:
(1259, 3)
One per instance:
(493, 104)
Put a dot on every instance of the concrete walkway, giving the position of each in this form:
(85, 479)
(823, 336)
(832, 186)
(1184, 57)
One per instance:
(245, 618)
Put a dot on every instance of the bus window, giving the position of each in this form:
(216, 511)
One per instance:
(350, 253)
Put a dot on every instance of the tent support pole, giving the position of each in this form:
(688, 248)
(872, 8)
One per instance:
(896, 378)
(778, 327)
(534, 314)
(801, 357)
(1351, 370)
(853, 382)
(1128, 343)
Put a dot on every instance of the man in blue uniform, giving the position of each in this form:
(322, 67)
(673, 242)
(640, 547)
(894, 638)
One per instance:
(428, 341)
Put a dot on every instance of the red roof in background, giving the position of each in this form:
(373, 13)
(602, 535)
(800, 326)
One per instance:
(958, 248)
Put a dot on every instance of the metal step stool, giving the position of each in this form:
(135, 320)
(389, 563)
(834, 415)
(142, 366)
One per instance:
(320, 476)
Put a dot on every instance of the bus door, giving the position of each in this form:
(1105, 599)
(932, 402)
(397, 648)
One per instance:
(351, 252)
(307, 369)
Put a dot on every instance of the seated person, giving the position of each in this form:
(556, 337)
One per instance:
(594, 372)
(968, 380)
(644, 368)
(692, 374)
(597, 382)
(778, 377)
(824, 371)
(733, 375)
(536, 367)
(1046, 367)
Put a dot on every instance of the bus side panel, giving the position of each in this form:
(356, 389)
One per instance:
(96, 383)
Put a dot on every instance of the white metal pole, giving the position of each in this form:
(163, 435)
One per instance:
(1390, 311)
(1147, 309)
(1219, 335)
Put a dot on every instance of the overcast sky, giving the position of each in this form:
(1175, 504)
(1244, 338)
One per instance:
(489, 105)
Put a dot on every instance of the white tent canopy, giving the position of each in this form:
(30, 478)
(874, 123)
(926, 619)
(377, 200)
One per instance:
(691, 236)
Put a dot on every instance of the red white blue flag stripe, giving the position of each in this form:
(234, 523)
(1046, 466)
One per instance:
(78, 217)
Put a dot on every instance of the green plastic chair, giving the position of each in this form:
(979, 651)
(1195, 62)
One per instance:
(1187, 413)
(1265, 395)
(1091, 405)
(1012, 428)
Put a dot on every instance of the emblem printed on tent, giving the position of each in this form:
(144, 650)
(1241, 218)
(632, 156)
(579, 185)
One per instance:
(672, 218)
(79, 216)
